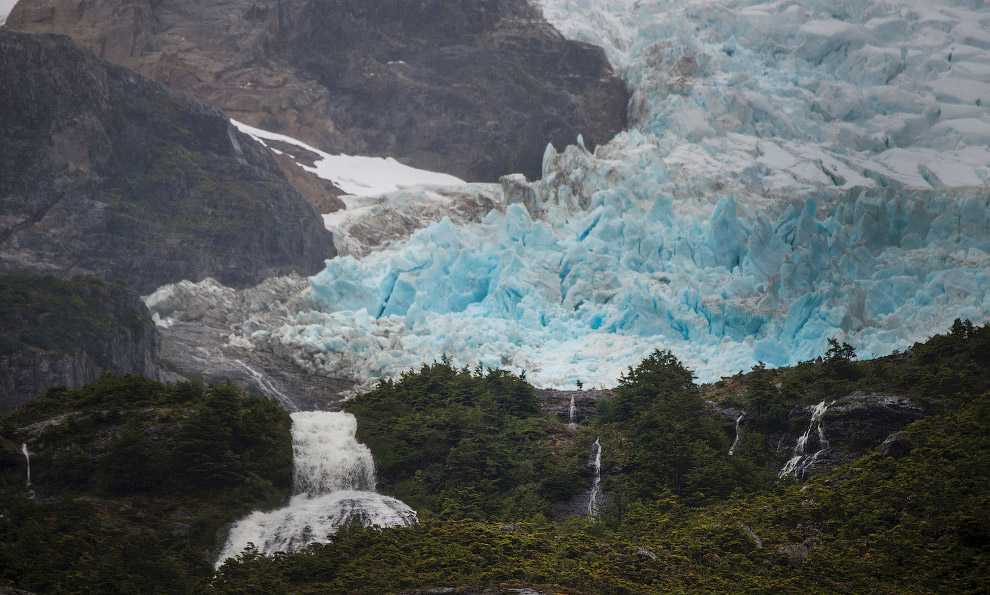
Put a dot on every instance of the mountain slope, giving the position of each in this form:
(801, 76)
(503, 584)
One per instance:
(472, 89)
(108, 173)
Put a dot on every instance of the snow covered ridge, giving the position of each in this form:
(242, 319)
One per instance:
(370, 220)
(356, 175)
(792, 172)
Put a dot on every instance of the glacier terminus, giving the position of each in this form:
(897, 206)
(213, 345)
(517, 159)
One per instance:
(791, 172)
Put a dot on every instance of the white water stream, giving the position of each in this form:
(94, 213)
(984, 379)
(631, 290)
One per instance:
(333, 483)
(800, 463)
(596, 485)
(27, 457)
(268, 387)
(732, 449)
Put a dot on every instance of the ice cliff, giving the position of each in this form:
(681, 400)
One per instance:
(793, 171)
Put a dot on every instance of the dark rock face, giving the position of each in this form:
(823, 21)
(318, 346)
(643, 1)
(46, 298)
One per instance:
(108, 173)
(558, 402)
(851, 425)
(859, 422)
(476, 89)
(71, 333)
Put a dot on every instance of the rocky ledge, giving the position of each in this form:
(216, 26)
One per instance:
(558, 402)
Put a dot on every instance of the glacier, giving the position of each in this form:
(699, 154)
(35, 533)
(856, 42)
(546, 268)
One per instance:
(792, 172)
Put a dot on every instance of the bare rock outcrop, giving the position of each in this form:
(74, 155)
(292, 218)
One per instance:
(475, 89)
(106, 172)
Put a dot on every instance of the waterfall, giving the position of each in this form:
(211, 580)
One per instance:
(27, 457)
(798, 463)
(571, 411)
(333, 485)
(732, 449)
(596, 487)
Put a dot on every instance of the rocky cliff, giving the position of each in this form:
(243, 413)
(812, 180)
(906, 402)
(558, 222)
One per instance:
(106, 172)
(835, 431)
(475, 89)
(851, 425)
(56, 332)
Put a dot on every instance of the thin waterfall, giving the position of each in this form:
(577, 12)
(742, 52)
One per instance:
(268, 387)
(596, 488)
(27, 457)
(732, 449)
(571, 412)
(333, 485)
(799, 463)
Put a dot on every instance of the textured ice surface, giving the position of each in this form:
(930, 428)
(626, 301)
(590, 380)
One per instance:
(792, 172)
(372, 223)
(788, 96)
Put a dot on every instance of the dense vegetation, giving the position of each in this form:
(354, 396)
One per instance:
(39, 313)
(660, 440)
(136, 466)
(878, 524)
(133, 481)
(469, 445)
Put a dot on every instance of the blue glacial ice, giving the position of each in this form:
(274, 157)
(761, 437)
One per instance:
(581, 294)
(792, 172)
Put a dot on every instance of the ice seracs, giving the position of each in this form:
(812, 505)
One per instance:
(792, 172)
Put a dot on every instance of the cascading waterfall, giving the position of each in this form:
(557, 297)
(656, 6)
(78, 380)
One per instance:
(799, 464)
(27, 457)
(571, 410)
(732, 449)
(596, 487)
(333, 485)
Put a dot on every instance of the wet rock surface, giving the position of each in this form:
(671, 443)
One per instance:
(198, 323)
(200, 351)
(862, 421)
(473, 89)
(109, 173)
(558, 402)
(851, 425)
